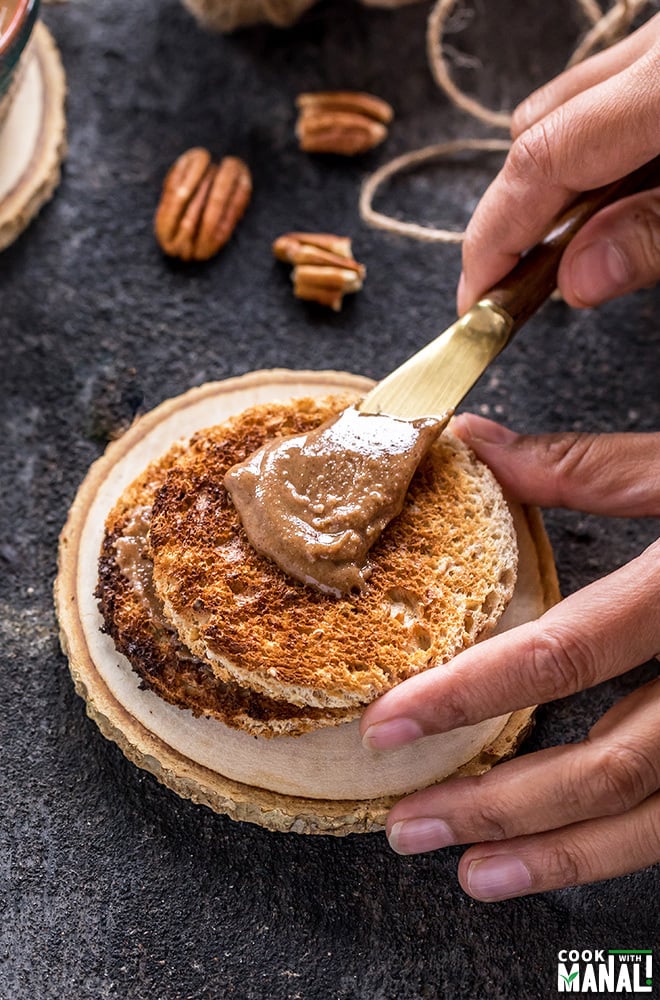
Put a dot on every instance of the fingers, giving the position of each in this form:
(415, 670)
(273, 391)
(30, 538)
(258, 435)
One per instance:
(582, 144)
(586, 852)
(616, 252)
(587, 74)
(617, 474)
(597, 633)
(611, 772)
(556, 818)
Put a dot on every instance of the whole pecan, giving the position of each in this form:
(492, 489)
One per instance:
(324, 270)
(201, 204)
(342, 122)
(313, 248)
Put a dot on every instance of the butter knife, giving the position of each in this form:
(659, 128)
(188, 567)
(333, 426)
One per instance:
(433, 382)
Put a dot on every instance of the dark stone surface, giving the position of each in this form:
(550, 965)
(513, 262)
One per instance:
(111, 885)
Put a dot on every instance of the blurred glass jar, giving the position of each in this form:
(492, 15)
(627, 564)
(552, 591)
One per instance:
(17, 18)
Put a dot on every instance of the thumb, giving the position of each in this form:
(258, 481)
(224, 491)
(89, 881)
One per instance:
(616, 252)
(616, 474)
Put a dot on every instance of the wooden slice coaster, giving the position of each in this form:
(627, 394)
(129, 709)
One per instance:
(320, 782)
(32, 137)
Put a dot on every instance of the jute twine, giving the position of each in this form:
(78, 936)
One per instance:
(606, 27)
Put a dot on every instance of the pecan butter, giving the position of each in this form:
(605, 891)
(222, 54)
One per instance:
(315, 503)
(132, 556)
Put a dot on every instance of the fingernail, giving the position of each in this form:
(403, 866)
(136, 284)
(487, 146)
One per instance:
(391, 734)
(498, 877)
(460, 292)
(470, 427)
(598, 272)
(414, 836)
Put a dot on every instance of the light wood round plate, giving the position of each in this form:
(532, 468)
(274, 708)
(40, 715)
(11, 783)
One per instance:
(321, 782)
(32, 137)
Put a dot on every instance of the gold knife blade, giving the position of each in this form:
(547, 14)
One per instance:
(434, 381)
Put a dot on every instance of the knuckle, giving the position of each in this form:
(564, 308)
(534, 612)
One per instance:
(535, 151)
(490, 824)
(570, 456)
(560, 662)
(572, 780)
(566, 864)
(620, 777)
(451, 707)
(488, 820)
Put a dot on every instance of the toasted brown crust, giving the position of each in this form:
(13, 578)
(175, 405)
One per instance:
(154, 650)
(442, 574)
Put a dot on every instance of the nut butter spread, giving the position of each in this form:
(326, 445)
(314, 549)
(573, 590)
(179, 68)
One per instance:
(132, 555)
(315, 503)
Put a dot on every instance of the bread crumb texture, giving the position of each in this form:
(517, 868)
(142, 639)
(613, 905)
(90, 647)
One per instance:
(441, 573)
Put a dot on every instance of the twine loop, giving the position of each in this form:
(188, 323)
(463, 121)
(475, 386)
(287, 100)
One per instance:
(606, 28)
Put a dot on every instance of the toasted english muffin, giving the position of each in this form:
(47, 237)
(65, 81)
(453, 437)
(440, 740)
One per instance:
(441, 574)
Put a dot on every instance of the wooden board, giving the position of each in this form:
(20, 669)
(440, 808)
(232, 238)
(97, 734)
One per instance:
(321, 782)
(32, 137)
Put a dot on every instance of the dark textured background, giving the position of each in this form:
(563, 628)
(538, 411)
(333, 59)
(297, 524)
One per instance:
(112, 887)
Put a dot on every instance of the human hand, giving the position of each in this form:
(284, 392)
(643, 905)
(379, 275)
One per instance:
(593, 124)
(568, 814)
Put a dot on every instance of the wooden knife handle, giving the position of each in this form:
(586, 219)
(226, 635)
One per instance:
(534, 278)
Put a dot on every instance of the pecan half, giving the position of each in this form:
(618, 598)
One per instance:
(342, 122)
(201, 204)
(324, 269)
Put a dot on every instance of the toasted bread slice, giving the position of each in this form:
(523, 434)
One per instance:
(133, 616)
(441, 574)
